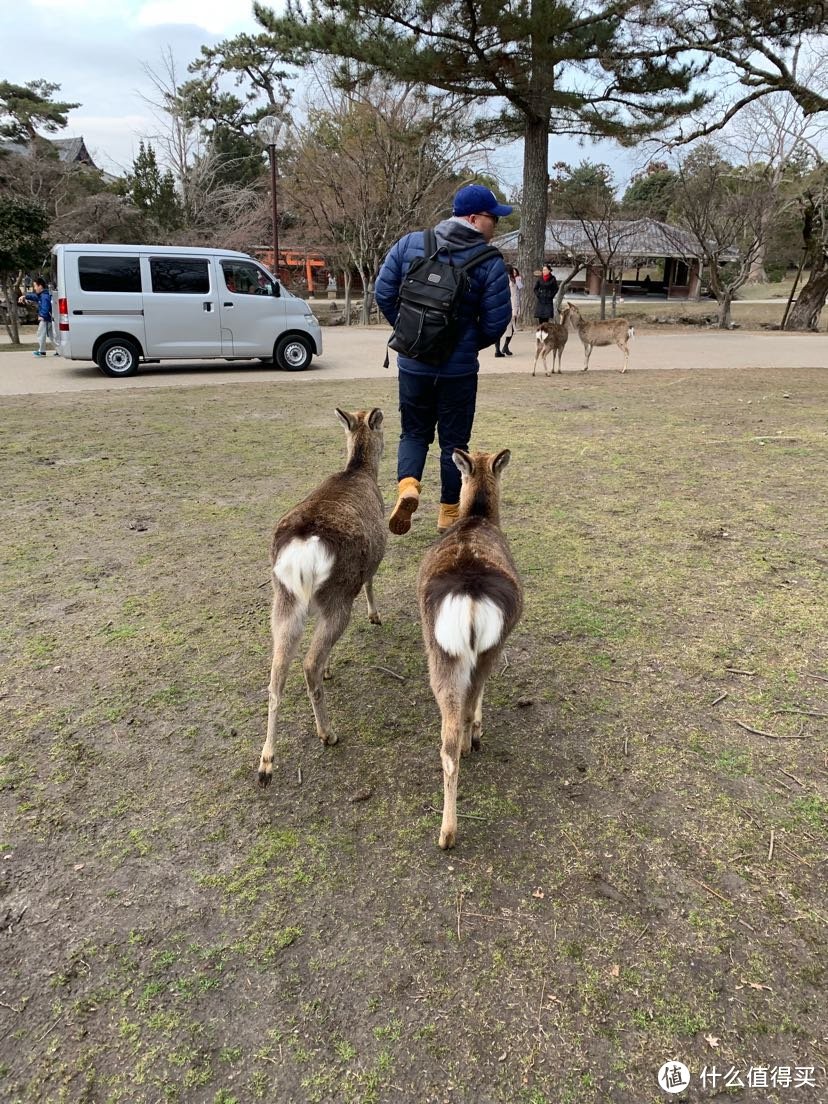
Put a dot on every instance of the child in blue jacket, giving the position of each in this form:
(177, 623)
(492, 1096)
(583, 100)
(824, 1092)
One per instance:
(41, 296)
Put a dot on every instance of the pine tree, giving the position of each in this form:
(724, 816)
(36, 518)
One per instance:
(152, 192)
(24, 107)
(546, 66)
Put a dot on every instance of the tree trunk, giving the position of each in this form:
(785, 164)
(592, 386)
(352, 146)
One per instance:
(534, 206)
(725, 300)
(757, 274)
(603, 292)
(10, 294)
(808, 307)
(346, 274)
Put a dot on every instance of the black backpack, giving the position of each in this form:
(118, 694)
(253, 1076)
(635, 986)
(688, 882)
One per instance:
(430, 297)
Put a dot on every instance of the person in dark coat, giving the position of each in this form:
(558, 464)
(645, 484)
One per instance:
(546, 288)
(442, 397)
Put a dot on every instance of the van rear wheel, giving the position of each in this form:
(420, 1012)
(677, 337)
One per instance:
(293, 352)
(118, 357)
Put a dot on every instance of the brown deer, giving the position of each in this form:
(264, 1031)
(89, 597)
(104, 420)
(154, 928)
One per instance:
(323, 552)
(551, 337)
(613, 331)
(470, 599)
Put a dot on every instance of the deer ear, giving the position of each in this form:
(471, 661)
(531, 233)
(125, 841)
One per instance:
(375, 418)
(463, 461)
(347, 419)
(501, 460)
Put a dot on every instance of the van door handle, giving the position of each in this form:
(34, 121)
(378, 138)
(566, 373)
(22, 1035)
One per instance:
(228, 304)
(207, 306)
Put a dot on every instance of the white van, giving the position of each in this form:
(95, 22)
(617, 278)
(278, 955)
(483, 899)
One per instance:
(121, 304)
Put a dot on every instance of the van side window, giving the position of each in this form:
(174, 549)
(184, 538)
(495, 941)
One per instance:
(179, 276)
(246, 279)
(109, 273)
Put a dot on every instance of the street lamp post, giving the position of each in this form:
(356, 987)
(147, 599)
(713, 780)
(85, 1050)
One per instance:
(269, 130)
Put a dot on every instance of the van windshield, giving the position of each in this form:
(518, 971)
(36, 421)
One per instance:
(245, 278)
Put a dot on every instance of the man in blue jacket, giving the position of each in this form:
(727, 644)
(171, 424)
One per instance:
(442, 396)
(41, 296)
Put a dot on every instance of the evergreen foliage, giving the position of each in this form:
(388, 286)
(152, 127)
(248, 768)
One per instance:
(24, 107)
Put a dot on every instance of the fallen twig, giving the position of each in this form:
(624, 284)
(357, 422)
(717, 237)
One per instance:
(626, 744)
(792, 852)
(459, 911)
(750, 817)
(715, 892)
(793, 778)
(813, 674)
(802, 712)
(770, 848)
(721, 697)
(11, 1007)
(506, 664)
(299, 775)
(770, 735)
(468, 816)
(388, 671)
(540, 1009)
(737, 671)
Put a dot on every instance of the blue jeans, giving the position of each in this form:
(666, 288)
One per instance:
(444, 403)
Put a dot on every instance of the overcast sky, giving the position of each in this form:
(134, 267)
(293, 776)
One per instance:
(97, 51)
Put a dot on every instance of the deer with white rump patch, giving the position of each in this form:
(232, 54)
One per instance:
(612, 331)
(551, 337)
(470, 599)
(323, 552)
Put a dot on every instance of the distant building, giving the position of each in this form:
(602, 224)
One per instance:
(626, 244)
(71, 151)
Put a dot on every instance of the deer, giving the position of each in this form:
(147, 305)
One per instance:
(322, 553)
(551, 337)
(470, 599)
(613, 331)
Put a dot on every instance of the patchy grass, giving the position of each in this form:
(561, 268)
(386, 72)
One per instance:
(172, 933)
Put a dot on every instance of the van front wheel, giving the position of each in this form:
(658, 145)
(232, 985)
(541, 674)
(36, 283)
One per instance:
(117, 357)
(293, 352)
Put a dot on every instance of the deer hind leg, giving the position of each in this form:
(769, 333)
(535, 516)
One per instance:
(331, 624)
(373, 614)
(485, 662)
(623, 346)
(587, 352)
(537, 354)
(287, 619)
(451, 747)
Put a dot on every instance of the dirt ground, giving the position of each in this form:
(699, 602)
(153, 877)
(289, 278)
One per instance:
(641, 869)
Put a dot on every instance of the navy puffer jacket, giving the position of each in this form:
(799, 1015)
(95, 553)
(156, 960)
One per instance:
(486, 310)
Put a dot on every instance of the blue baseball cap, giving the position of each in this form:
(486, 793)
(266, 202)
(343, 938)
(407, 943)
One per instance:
(474, 199)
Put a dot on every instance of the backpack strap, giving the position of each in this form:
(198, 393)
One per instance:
(487, 254)
(430, 246)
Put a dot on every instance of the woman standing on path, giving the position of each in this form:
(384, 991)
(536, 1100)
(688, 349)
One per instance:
(515, 286)
(546, 288)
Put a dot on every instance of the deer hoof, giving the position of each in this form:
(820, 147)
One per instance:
(329, 739)
(374, 618)
(265, 777)
(447, 840)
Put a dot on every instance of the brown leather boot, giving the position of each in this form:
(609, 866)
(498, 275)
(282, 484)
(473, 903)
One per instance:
(408, 499)
(449, 513)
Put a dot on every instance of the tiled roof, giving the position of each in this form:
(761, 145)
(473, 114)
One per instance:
(69, 150)
(623, 238)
